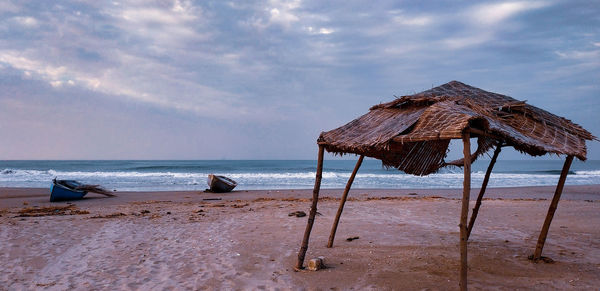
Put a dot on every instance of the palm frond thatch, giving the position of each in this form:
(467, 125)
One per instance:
(412, 133)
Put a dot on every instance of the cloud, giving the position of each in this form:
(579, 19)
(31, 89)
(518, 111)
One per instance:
(282, 12)
(483, 22)
(7, 6)
(579, 60)
(259, 65)
(164, 27)
(56, 76)
(279, 13)
(26, 21)
(206, 102)
(322, 30)
(495, 13)
(401, 18)
(148, 58)
(592, 55)
(467, 41)
(285, 18)
(47, 72)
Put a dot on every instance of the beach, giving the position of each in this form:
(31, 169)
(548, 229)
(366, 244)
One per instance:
(404, 107)
(403, 239)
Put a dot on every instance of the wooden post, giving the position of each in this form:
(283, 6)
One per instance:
(313, 209)
(486, 179)
(343, 201)
(561, 183)
(465, 210)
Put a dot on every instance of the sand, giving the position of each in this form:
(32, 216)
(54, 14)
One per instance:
(407, 240)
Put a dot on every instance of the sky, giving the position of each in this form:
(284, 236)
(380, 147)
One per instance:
(261, 79)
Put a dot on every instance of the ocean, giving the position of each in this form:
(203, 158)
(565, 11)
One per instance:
(164, 175)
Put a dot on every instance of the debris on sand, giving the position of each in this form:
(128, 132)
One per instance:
(45, 284)
(150, 202)
(297, 214)
(352, 238)
(112, 215)
(51, 210)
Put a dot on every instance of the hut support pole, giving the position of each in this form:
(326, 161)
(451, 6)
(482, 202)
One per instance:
(343, 201)
(313, 210)
(464, 213)
(561, 183)
(486, 179)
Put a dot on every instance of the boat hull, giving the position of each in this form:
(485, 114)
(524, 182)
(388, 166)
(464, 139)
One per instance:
(60, 192)
(220, 184)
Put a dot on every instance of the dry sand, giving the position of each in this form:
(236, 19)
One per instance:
(408, 240)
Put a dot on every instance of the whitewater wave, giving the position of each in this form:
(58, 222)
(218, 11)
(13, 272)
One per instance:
(170, 180)
(589, 173)
(267, 175)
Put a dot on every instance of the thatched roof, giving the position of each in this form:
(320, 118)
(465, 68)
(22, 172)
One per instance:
(412, 133)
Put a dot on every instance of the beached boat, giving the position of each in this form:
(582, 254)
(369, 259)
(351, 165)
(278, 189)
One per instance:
(220, 184)
(66, 190)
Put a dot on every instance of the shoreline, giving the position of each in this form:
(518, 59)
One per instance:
(13, 196)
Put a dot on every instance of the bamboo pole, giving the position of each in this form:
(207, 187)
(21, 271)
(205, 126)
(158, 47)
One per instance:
(343, 201)
(559, 187)
(486, 179)
(465, 210)
(313, 209)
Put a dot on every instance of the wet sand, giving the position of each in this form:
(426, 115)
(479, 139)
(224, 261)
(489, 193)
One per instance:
(407, 240)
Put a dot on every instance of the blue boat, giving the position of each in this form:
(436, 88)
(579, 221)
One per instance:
(65, 190)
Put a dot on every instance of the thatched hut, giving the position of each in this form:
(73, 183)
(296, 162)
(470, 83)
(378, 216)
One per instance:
(412, 134)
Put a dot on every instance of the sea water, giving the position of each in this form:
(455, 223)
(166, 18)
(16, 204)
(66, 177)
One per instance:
(162, 175)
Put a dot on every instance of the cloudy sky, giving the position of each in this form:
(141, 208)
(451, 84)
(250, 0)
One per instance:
(261, 79)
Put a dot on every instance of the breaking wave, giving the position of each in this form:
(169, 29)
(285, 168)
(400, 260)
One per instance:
(152, 178)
